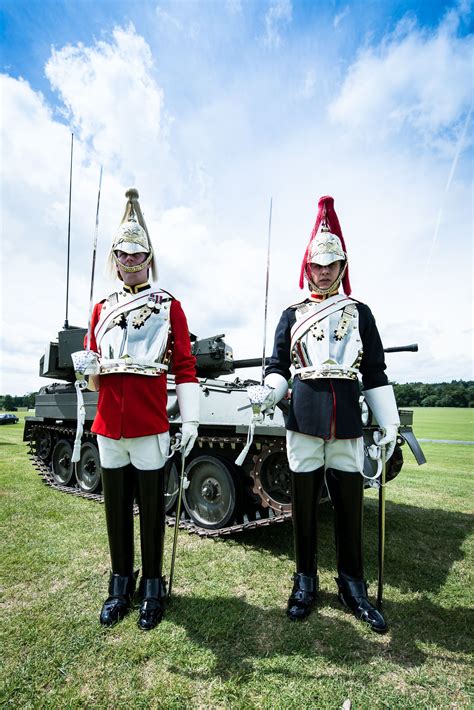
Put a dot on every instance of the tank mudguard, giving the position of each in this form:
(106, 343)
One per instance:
(408, 436)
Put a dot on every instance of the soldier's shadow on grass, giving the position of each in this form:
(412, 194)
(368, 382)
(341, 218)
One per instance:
(240, 634)
(422, 546)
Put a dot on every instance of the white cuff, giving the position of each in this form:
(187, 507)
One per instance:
(279, 384)
(381, 401)
(188, 401)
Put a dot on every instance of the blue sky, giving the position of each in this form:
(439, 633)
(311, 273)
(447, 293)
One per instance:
(210, 109)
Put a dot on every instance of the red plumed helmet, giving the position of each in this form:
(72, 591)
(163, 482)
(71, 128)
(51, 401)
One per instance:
(326, 217)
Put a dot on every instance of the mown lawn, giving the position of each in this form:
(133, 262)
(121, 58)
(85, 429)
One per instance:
(225, 641)
(443, 423)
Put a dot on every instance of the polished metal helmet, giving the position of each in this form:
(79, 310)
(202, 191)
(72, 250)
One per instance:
(132, 238)
(326, 248)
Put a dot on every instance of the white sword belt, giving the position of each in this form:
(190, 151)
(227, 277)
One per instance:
(338, 372)
(130, 366)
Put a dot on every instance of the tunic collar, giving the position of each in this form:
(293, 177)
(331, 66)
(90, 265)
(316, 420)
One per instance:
(136, 289)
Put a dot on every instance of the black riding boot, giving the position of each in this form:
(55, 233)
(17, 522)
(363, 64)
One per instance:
(346, 490)
(118, 487)
(151, 502)
(305, 495)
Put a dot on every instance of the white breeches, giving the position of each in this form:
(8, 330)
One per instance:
(146, 453)
(308, 453)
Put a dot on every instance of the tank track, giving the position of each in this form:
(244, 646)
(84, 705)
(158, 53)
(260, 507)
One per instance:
(272, 517)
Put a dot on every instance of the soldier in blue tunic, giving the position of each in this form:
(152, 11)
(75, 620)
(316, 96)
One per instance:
(325, 342)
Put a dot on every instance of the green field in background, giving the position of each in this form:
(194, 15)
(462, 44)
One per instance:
(443, 423)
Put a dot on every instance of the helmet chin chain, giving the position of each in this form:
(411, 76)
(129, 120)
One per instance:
(332, 288)
(133, 269)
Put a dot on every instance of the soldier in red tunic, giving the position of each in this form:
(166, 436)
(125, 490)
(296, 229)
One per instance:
(140, 334)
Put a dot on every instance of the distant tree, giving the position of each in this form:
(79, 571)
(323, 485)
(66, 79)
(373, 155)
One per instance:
(8, 403)
(30, 399)
(430, 401)
(457, 393)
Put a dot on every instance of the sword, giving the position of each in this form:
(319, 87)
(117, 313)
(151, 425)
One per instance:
(258, 393)
(177, 518)
(266, 290)
(381, 550)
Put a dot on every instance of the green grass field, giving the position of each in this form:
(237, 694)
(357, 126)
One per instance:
(443, 423)
(225, 641)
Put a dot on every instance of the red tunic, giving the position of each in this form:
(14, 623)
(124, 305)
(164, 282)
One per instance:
(135, 405)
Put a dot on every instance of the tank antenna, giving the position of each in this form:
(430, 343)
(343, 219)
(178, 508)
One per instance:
(94, 252)
(266, 290)
(66, 322)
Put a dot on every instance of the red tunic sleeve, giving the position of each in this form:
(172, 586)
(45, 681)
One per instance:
(183, 363)
(94, 320)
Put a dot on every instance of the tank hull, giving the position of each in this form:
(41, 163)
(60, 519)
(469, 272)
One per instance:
(221, 498)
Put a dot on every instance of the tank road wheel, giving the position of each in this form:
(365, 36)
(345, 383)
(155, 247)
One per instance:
(88, 471)
(211, 497)
(171, 485)
(61, 466)
(271, 477)
(43, 443)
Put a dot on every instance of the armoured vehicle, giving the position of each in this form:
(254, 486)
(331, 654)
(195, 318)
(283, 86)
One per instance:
(220, 497)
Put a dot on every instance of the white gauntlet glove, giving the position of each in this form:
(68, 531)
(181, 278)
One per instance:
(86, 362)
(189, 432)
(381, 401)
(278, 389)
(188, 401)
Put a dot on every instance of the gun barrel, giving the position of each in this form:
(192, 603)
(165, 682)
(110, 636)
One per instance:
(257, 361)
(250, 362)
(413, 348)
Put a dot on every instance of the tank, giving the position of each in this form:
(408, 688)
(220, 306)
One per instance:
(221, 497)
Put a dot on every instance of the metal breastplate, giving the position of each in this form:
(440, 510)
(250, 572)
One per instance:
(331, 347)
(135, 340)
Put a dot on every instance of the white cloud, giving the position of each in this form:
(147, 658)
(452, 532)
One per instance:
(277, 16)
(112, 100)
(338, 18)
(167, 19)
(308, 86)
(234, 7)
(36, 150)
(413, 79)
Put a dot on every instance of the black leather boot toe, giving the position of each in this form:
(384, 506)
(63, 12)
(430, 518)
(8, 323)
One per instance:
(118, 603)
(152, 608)
(302, 597)
(353, 595)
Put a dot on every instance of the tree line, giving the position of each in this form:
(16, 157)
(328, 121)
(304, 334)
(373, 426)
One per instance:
(457, 393)
(10, 403)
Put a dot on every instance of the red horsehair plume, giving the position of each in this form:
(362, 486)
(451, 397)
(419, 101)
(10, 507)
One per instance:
(326, 215)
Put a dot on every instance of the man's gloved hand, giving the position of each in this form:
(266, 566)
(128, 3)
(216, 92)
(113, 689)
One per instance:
(261, 397)
(278, 389)
(388, 439)
(86, 362)
(188, 401)
(382, 402)
(189, 432)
